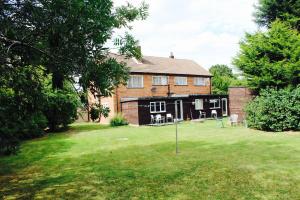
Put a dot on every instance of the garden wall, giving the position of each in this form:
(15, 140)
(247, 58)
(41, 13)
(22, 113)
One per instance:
(238, 99)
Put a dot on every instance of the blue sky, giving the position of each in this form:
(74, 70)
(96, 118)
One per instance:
(207, 31)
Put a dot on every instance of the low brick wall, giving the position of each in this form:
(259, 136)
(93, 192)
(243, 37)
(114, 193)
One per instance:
(238, 99)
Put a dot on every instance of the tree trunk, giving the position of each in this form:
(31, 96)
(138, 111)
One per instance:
(99, 100)
(57, 80)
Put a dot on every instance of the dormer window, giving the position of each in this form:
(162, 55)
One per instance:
(180, 80)
(159, 80)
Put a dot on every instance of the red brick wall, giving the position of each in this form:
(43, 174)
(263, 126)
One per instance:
(238, 99)
(150, 90)
(130, 112)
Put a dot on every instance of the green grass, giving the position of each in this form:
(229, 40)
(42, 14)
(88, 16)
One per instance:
(98, 162)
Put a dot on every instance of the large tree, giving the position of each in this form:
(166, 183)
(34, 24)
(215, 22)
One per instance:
(267, 11)
(272, 58)
(57, 40)
(66, 37)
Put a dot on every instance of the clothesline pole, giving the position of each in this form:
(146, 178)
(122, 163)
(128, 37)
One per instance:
(176, 123)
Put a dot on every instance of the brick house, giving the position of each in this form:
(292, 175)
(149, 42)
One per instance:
(158, 84)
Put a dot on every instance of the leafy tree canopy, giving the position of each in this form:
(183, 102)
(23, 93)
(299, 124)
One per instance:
(43, 46)
(285, 10)
(223, 77)
(221, 70)
(272, 58)
(68, 38)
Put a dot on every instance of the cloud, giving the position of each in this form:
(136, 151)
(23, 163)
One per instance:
(207, 31)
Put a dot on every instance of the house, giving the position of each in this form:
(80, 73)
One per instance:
(158, 84)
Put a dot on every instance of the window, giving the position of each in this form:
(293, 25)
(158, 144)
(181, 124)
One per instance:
(159, 80)
(157, 107)
(200, 81)
(198, 104)
(180, 80)
(135, 81)
(214, 103)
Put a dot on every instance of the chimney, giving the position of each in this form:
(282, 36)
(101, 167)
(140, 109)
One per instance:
(172, 55)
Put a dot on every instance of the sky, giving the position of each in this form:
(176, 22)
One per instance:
(206, 31)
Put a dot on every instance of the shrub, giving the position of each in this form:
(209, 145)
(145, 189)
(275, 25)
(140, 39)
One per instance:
(33, 126)
(99, 111)
(275, 110)
(118, 120)
(61, 108)
(94, 113)
(18, 121)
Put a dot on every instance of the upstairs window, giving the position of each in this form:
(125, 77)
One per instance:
(135, 81)
(214, 103)
(180, 80)
(198, 104)
(157, 107)
(200, 81)
(159, 80)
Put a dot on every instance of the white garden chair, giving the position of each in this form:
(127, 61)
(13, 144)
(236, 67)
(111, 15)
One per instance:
(169, 117)
(202, 115)
(158, 118)
(214, 114)
(152, 119)
(233, 119)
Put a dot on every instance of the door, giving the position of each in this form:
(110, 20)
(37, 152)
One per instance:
(224, 107)
(179, 109)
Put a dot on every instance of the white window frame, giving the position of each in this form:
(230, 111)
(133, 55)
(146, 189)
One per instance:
(132, 86)
(167, 80)
(180, 77)
(199, 104)
(160, 110)
(215, 100)
(197, 81)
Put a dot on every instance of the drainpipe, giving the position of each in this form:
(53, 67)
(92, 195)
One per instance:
(117, 98)
(210, 85)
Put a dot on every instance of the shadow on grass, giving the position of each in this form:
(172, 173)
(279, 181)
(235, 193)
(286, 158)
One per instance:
(33, 152)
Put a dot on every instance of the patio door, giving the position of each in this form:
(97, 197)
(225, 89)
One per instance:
(224, 107)
(179, 109)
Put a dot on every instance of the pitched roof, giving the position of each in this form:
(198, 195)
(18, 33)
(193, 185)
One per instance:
(161, 65)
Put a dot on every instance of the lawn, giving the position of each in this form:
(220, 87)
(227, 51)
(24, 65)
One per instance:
(98, 162)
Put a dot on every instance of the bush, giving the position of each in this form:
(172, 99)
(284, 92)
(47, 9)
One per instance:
(275, 110)
(99, 111)
(60, 109)
(118, 120)
(94, 113)
(18, 121)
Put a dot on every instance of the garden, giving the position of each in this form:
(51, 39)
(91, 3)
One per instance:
(92, 161)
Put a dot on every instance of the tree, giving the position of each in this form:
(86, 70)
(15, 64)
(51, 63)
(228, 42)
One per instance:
(272, 58)
(223, 77)
(221, 70)
(285, 10)
(67, 38)
(60, 40)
